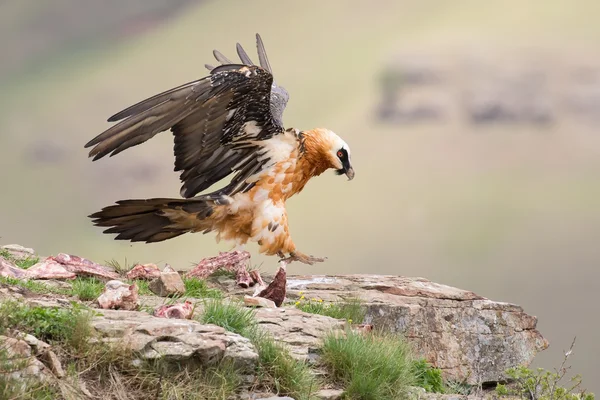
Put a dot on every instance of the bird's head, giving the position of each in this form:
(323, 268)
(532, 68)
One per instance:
(334, 152)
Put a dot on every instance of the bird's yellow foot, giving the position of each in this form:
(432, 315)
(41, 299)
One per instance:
(303, 258)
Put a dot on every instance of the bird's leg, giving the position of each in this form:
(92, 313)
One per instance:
(303, 258)
(239, 247)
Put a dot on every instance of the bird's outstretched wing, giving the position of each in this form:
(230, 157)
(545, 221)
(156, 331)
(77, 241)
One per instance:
(219, 123)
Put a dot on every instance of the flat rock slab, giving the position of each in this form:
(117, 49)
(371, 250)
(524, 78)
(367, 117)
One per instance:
(470, 338)
(176, 340)
(300, 331)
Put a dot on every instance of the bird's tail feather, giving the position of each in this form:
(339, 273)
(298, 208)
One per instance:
(155, 220)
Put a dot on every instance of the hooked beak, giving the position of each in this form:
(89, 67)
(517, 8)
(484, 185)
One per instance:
(350, 173)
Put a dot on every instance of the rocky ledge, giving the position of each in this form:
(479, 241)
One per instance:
(470, 338)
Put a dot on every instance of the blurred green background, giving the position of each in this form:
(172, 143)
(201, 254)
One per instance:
(473, 128)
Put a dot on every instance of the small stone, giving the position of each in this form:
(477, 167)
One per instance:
(329, 394)
(259, 302)
(51, 360)
(168, 284)
(37, 345)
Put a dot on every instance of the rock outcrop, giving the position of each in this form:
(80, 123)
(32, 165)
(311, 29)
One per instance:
(470, 338)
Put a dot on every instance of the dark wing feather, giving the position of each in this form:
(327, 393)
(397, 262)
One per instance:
(243, 55)
(262, 54)
(279, 96)
(211, 147)
(218, 123)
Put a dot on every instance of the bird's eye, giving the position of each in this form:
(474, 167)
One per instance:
(340, 154)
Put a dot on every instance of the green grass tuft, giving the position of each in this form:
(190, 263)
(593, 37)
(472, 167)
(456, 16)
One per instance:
(279, 371)
(230, 316)
(143, 287)
(33, 286)
(68, 326)
(119, 268)
(351, 310)
(23, 263)
(375, 366)
(87, 289)
(198, 288)
(428, 377)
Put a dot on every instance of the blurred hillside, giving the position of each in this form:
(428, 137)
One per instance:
(472, 126)
(33, 34)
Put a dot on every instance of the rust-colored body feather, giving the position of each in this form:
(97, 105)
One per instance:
(250, 214)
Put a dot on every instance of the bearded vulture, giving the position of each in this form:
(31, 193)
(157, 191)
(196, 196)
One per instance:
(227, 123)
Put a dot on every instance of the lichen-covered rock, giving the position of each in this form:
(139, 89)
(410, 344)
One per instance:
(470, 338)
(118, 295)
(176, 340)
(21, 362)
(302, 332)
